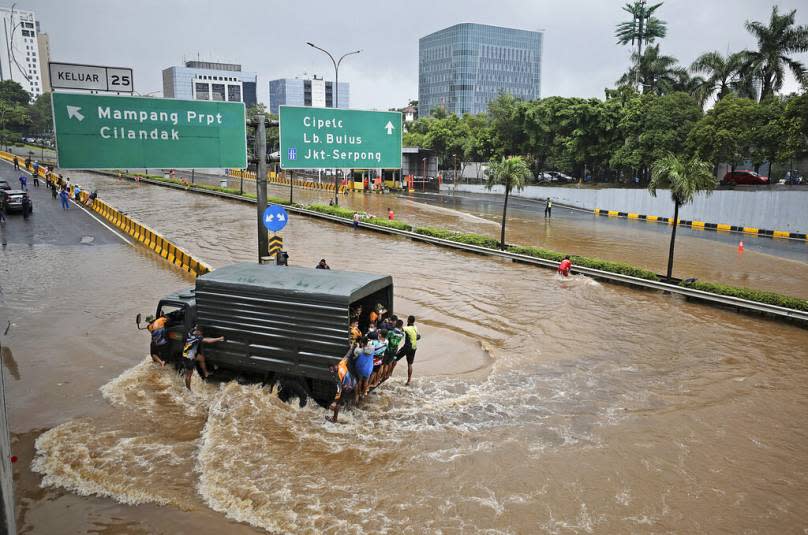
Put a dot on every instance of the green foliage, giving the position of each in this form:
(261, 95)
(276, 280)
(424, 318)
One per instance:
(776, 41)
(644, 27)
(593, 263)
(460, 237)
(511, 172)
(655, 72)
(685, 178)
(332, 210)
(12, 92)
(769, 298)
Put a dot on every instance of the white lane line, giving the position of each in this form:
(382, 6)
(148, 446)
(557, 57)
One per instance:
(121, 236)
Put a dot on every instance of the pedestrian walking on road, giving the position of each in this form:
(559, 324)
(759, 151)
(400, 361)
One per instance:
(16, 164)
(2, 214)
(36, 180)
(36, 168)
(63, 196)
(54, 191)
(23, 183)
(28, 163)
(548, 208)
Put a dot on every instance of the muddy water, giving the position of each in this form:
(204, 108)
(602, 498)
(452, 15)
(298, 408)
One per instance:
(605, 410)
(766, 264)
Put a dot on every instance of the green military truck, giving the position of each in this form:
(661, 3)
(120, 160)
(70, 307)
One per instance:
(281, 324)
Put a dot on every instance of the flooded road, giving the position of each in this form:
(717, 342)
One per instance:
(775, 265)
(603, 409)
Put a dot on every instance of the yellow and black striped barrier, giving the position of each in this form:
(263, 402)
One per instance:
(701, 225)
(279, 180)
(275, 244)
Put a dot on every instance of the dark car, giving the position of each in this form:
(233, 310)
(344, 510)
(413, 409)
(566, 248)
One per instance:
(747, 178)
(4, 185)
(15, 200)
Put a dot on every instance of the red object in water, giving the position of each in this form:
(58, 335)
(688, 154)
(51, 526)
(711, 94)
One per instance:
(13, 459)
(740, 246)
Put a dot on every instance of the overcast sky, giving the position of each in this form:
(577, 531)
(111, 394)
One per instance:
(269, 37)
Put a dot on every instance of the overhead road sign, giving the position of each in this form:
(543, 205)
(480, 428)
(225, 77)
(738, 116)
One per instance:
(330, 138)
(114, 132)
(275, 217)
(90, 77)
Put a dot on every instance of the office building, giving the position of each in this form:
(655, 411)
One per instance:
(464, 67)
(20, 58)
(43, 44)
(205, 80)
(315, 92)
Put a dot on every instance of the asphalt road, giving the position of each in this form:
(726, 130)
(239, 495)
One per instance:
(49, 224)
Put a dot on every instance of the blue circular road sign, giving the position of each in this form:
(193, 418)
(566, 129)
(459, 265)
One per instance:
(275, 217)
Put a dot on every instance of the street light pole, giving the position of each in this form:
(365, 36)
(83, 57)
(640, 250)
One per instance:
(335, 103)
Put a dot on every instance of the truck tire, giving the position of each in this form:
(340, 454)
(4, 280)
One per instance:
(292, 387)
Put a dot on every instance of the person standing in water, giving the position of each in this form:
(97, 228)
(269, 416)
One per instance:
(548, 208)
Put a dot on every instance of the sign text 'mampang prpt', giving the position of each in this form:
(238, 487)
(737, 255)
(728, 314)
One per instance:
(110, 132)
(325, 138)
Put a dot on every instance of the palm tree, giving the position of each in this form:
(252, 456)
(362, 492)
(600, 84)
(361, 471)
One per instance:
(643, 28)
(775, 43)
(685, 178)
(656, 73)
(723, 73)
(512, 172)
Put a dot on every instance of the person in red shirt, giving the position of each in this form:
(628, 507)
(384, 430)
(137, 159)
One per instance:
(565, 266)
(390, 215)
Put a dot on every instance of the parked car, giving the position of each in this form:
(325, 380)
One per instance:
(16, 200)
(558, 176)
(749, 178)
(792, 178)
(4, 185)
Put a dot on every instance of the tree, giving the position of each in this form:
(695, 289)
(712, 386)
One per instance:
(506, 114)
(726, 133)
(12, 92)
(722, 73)
(41, 115)
(685, 179)
(512, 172)
(656, 73)
(643, 28)
(776, 42)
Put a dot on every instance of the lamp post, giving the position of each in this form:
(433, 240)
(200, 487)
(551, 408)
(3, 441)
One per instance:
(423, 184)
(335, 102)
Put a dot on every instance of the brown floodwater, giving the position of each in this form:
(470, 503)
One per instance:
(601, 409)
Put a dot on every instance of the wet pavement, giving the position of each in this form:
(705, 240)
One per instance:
(603, 410)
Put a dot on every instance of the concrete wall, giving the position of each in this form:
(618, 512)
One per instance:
(776, 209)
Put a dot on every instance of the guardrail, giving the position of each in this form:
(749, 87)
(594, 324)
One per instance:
(691, 293)
(139, 232)
(273, 178)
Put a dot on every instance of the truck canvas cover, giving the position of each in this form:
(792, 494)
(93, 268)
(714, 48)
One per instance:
(288, 320)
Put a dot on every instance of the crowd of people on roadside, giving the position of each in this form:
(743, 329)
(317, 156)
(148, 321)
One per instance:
(376, 347)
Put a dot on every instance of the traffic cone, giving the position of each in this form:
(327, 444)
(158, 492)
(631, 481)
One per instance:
(740, 246)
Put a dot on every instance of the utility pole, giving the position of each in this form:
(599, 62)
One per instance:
(261, 185)
(335, 103)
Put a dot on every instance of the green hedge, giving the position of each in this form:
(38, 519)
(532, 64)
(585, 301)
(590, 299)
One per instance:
(332, 210)
(770, 298)
(461, 237)
(593, 263)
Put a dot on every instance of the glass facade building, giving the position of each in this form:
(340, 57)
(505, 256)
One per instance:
(463, 67)
(318, 93)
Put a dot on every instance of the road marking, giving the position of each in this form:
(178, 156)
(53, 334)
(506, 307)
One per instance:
(103, 224)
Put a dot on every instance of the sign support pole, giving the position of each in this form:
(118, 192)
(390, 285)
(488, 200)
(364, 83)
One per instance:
(261, 184)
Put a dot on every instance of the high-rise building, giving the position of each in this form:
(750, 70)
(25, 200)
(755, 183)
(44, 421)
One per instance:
(464, 67)
(205, 80)
(315, 92)
(19, 53)
(43, 44)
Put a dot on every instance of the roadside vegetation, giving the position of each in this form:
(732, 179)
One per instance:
(657, 107)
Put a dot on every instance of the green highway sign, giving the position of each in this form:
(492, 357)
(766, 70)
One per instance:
(326, 138)
(112, 132)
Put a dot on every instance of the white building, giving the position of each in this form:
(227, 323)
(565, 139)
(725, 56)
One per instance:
(19, 52)
(206, 80)
(314, 92)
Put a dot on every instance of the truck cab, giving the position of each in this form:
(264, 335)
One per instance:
(180, 308)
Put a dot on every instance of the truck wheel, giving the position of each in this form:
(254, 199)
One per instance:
(290, 388)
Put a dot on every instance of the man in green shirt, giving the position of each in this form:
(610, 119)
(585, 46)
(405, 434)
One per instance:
(411, 338)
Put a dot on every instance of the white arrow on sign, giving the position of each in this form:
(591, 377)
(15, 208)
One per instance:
(281, 218)
(73, 112)
(270, 218)
(389, 127)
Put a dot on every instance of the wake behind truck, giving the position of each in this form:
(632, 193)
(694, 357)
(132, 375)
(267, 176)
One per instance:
(281, 324)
